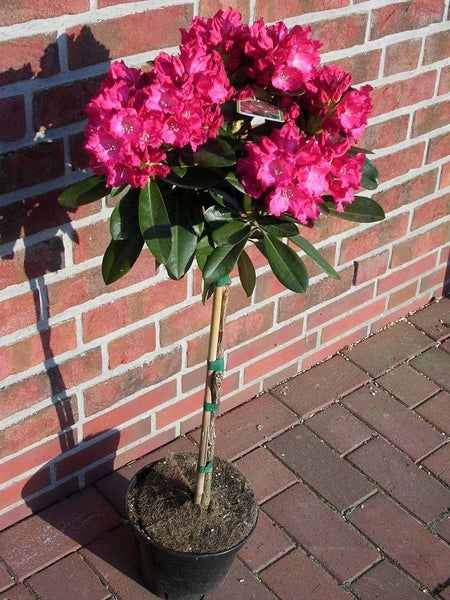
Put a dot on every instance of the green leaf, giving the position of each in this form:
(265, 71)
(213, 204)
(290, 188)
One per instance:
(217, 216)
(286, 265)
(247, 273)
(124, 220)
(184, 239)
(280, 229)
(234, 181)
(203, 250)
(120, 256)
(215, 153)
(361, 210)
(195, 178)
(154, 222)
(86, 191)
(221, 262)
(231, 233)
(225, 199)
(369, 178)
(315, 255)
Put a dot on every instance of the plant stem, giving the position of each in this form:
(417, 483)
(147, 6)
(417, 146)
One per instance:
(213, 390)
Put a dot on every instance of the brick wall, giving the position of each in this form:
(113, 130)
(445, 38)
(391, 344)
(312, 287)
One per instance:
(92, 376)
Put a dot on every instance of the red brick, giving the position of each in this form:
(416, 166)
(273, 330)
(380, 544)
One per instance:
(444, 81)
(29, 57)
(420, 244)
(18, 592)
(70, 373)
(437, 147)
(363, 67)
(358, 317)
(321, 468)
(180, 409)
(277, 360)
(394, 315)
(61, 576)
(12, 118)
(385, 134)
(185, 322)
(63, 104)
(395, 95)
(373, 238)
(331, 349)
(431, 211)
(74, 291)
(413, 189)
(322, 532)
(413, 14)
(282, 578)
(434, 319)
(131, 346)
(208, 8)
(435, 284)
(340, 32)
(443, 529)
(409, 386)
(434, 363)
(436, 411)
(27, 10)
(402, 56)
(91, 241)
(31, 165)
(320, 386)
(430, 118)
(403, 539)
(371, 268)
(401, 162)
(401, 478)
(37, 348)
(6, 581)
(276, 10)
(437, 47)
(116, 38)
(20, 490)
(79, 158)
(445, 176)
(385, 582)
(404, 294)
(339, 428)
(439, 463)
(339, 307)
(266, 475)
(394, 421)
(15, 319)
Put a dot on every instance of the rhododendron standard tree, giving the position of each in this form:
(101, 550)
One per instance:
(242, 137)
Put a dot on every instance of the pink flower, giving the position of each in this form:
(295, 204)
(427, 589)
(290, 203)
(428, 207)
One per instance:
(353, 111)
(344, 178)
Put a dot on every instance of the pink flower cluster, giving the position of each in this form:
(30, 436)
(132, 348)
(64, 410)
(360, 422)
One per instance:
(139, 118)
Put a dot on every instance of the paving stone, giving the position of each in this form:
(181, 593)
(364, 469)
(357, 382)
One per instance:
(266, 544)
(393, 420)
(445, 594)
(331, 476)
(114, 558)
(446, 346)
(69, 578)
(401, 478)
(437, 411)
(114, 486)
(241, 584)
(6, 581)
(265, 473)
(439, 463)
(36, 542)
(386, 582)
(388, 348)
(297, 577)
(434, 319)
(409, 386)
(443, 529)
(404, 540)
(435, 363)
(319, 387)
(323, 532)
(18, 592)
(250, 425)
(339, 428)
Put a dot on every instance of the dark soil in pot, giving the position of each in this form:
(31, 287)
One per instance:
(160, 506)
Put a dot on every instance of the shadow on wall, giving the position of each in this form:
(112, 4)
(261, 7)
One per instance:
(32, 217)
(446, 290)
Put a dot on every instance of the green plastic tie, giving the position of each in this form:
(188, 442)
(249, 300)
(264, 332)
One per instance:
(210, 407)
(223, 281)
(208, 467)
(216, 365)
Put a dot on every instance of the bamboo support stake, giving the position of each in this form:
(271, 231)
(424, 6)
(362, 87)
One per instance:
(213, 389)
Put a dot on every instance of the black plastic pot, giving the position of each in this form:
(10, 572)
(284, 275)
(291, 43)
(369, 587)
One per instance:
(174, 575)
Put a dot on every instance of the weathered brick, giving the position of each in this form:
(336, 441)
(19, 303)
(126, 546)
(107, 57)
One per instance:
(401, 162)
(321, 386)
(321, 468)
(64, 104)
(413, 14)
(434, 363)
(208, 8)
(387, 133)
(276, 9)
(394, 421)
(430, 118)
(403, 539)
(436, 411)
(27, 10)
(439, 463)
(409, 386)
(184, 322)
(339, 307)
(437, 47)
(91, 241)
(12, 118)
(437, 147)
(402, 479)
(371, 268)
(131, 346)
(444, 81)
(419, 244)
(402, 56)
(130, 34)
(429, 212)
(385, 582)
(15, 319)
(28, 57)
(352, 320)
(363, 67)
(79, 158)
(413, 189)
(322, 532)
(392, 96)
(434, 319)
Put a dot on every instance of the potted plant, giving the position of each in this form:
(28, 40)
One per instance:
(242, 138)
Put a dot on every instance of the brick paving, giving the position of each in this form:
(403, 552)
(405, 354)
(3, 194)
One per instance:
(350, 462)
